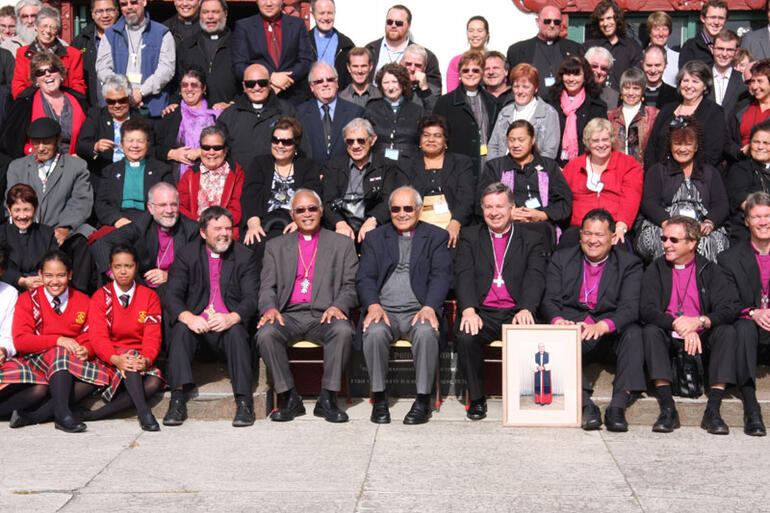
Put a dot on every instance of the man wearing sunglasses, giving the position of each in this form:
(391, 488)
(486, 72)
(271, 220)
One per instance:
(324, 116)
(402, 281)
(546, 50)
(687, 304)
(397, 38)
(307, 290)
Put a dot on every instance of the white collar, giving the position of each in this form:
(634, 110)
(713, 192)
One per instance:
(64, 296)
(726, 75)
(119, 292)
(501, 235)
(596, 264)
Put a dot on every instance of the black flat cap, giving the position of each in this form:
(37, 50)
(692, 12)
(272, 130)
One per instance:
(43, 128)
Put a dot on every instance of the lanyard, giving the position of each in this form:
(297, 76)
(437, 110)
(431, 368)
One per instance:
(679, 298)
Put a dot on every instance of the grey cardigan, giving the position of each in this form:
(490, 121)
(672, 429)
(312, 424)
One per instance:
(547, 130)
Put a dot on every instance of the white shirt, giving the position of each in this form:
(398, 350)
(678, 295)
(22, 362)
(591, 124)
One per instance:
(8, 297)
(119, 292)
(720, 84)
(64, 297)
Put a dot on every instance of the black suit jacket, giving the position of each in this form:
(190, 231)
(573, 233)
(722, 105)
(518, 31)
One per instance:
(524, 51)
(432, 70)
(694, 49)
(26, 250)
(110, 196)
(666, 95)
(310, 115)
(98, 125)
(188, 286)
(344, 44)
(742, 272)
(718, 300)
(523, 268)
(457, 182)
(617, 297)
(221, 84)
(735, 90)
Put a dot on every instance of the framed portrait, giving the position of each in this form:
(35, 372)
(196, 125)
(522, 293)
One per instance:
(541, 375)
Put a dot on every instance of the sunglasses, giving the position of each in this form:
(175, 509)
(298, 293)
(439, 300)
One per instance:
(282, 142)
(320, 81)
(350, 142)
(43, 71)
(117, 101)
(470, 70)
(556, 22)
(395, 209)
(674, 240)
(398, 23)
(191, 85)
(251, 84)
(215, 147)
(312, 209)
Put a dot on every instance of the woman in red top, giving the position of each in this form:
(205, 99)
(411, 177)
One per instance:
(603, 178)
(126, 332)
(50, 332)
(759, 109)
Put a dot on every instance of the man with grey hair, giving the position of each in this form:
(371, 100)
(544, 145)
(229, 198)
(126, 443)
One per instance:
(307, 291)
(26, 14)
(600, 59)
(324, 116)
(357, 185)
(329, 44)
(415, 60)
(402, 281)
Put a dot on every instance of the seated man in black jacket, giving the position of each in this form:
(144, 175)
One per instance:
(597, 287)
(687, 304)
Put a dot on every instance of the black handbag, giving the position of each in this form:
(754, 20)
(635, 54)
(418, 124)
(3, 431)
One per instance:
(687, 371)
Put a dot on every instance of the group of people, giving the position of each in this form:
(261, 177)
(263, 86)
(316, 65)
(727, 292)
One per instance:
(246, 189)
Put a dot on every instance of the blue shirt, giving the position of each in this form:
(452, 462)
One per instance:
(326, 45)
(332, 105)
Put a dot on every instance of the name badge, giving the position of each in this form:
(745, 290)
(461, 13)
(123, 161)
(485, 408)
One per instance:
(441, 208)
(549, 81)
(391, 153)
(134, 78)
(483, 150)
(532, 203)
(688, 212)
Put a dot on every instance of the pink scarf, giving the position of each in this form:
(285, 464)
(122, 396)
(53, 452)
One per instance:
(193, 123)
(569, 141)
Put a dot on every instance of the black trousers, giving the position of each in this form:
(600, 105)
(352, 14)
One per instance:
(470, 349)
(718, 343)
(234, 343)
(628, 349)
(749, 341)
(83, 274)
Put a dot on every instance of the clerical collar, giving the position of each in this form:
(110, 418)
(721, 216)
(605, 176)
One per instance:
(164, 228)
(758, 252)
(408, 233)
(688, 264)
(257, 106)
(212, 254)
(214, 36)
(134, 164)
(597, 264)
(307, 237)
(22, 231)
(651, 88)
(501, 235)
(471, 93)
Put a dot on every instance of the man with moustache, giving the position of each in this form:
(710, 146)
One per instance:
(687, 304)
(211, 298)
(747, 267)
(657, 93)
(329, 44)
(184, 24)
(359, 67)
(104, 14)
(596, 286)
(26, 14)
(499, 279)
(307, 291)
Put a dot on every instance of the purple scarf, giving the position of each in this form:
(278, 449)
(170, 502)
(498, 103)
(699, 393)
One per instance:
(193, 123)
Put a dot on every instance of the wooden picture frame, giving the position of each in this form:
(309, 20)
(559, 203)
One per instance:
(549, 398)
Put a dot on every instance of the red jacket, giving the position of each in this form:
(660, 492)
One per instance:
(136, 327)
(622, 192)
(72, 323)
(190, 184)
(72, 60)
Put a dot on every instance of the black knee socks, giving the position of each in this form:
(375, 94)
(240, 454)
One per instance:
(60, 384)
(20, 397)
(750, 403)
(80, 390)
(124, 399)
(620, 399)
(715, 399)
(665, 396)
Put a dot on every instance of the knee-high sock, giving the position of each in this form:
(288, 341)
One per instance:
(80, 390)
(21, 396)
(123, 400)
(133, 384)
(60, 384)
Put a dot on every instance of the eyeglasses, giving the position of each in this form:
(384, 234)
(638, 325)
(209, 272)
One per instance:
(251, 84)
(350, 142)
(470, 70)
(102, 12)
(600, 67)
(674, 240)
(722, 49)
(117, 101)
(311, 208)
(328, 80)
(395, 209)
(43, 71)
(191, 85)
(556, 22)
(282, 142)
(215, 147)
(398, 23)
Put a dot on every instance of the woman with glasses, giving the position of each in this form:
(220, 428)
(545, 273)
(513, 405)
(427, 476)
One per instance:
(747, 176)
(684, 184)
(477, 33)
(470, 111)
(632, 121)
(216, 180)
(179, 132)
(271, 181)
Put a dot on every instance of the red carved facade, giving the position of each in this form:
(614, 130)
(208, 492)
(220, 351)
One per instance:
(587, 6)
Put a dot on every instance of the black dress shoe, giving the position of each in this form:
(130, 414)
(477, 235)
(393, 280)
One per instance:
(592, 417)
(291, 408)
(713, 423)
(326, 407)
(668, 421)
(615, 419)
(244, 413)
(149, 422)
(18, 420)
(477, 409)
(176, 414)
(752, 423)
(419, 414)
(69, 424)
(380, 413)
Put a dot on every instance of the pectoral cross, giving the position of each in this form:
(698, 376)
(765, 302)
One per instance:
(210, 310)
(679, 312)
(499, 281)
(304, 285)
(764, 301)
(133, 58)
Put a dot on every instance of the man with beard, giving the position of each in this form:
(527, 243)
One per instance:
(157, 234)
(184, 23)
(144, 51)
(211, 297)
(209, 49)
(104, 14)
(26, 14)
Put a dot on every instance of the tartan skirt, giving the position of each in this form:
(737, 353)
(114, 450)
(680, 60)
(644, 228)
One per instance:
(58, 359)
(117, 377)
(22, 370)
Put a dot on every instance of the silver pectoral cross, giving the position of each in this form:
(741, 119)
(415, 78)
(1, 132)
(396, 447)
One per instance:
(764, 301)
(304, 285)
(499, 281)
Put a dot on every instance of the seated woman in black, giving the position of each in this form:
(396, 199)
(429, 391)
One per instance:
(747, 176)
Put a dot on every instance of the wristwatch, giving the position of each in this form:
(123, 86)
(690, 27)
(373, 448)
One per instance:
(702, 320)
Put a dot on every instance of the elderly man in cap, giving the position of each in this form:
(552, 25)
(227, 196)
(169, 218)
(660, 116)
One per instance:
(63, 186)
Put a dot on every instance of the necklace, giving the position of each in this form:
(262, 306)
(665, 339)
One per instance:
(305, 283)
(593, 287)
(499, 282)
(679, 298)
(162, 256)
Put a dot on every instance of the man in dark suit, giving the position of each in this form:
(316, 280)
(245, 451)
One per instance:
(747, 267)
(499, 279)
(307, 291)
(713, 17)
(211, 297)
(687, 304)
(324, 116)
(391, 48)
(279, 43)
(546, 50)
(329, 44)
(728, 83)
(402, 281)
(597, 287)
(157, 234)
(185, 22)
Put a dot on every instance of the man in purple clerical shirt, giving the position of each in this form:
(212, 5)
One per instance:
(307, 292)
(499, 279)
(687, 304)
(211, 297)
(596, 285)
(747, 266)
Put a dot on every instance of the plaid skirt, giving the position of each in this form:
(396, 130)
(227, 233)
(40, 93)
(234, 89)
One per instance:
(58, 359)
(117, 377)
(22, 370)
